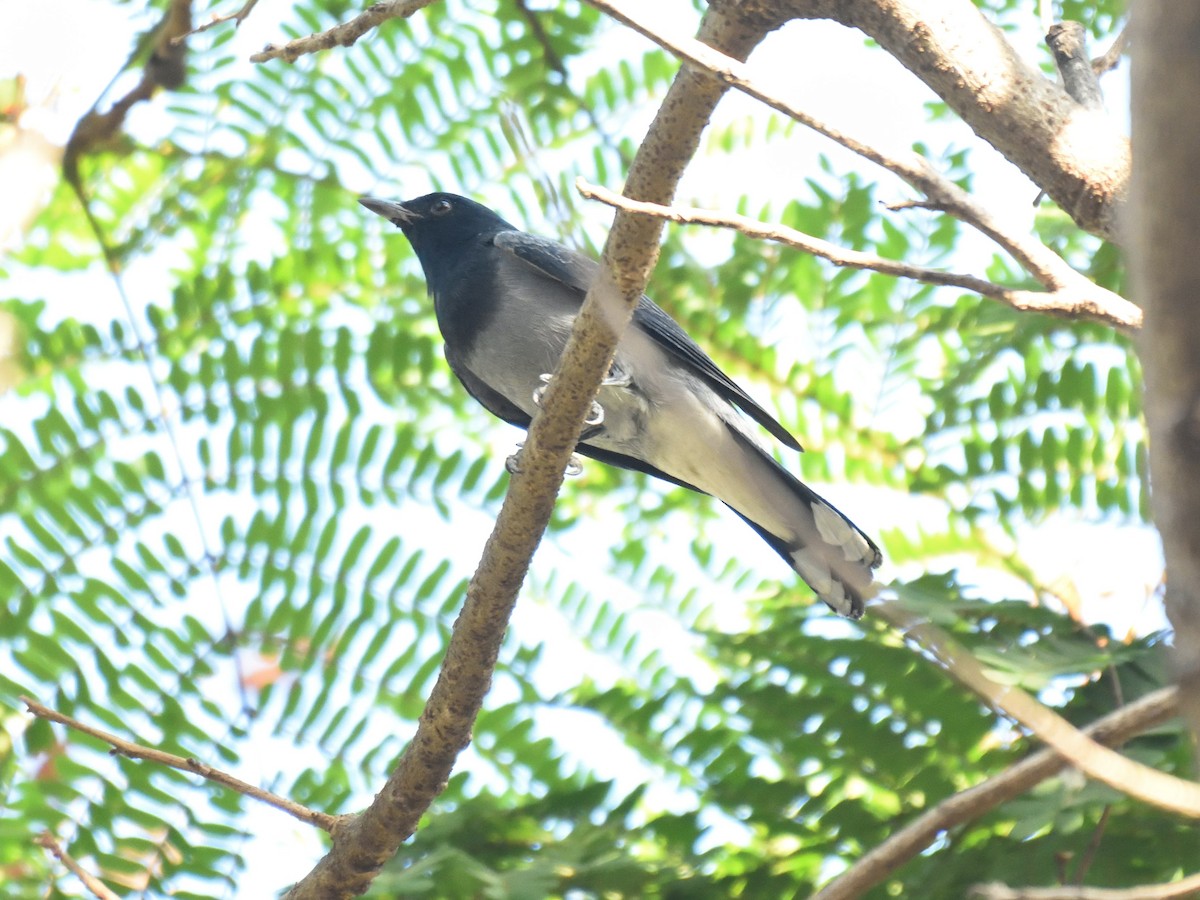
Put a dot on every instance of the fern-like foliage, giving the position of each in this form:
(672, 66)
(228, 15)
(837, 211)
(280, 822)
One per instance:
(240, 496)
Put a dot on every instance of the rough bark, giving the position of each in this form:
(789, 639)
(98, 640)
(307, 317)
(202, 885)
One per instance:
(1078, 156)
(1164, 235)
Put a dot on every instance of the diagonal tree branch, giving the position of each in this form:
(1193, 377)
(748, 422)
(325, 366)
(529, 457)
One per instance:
(1097, 305)
(1186, 887)
(1175, 795)
(123, 747)
(880, 862)
(1077, 156)
(369, 839)
(342, 35)
(98, 888)
(1046, 266)
(1111, 57)
(237, 18)
(165, 67)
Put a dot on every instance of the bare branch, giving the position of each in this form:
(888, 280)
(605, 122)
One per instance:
(1175, 795)
(1042, 263)
(1068, 41)
(166, 67)
(1080, 157)
(1187, 887)
(1097, 305)
(97, 887)
(1112, 56)
(1077, 156)
(880, 862)
(123, 747)
(343, 35)
(236, 17)
(370, 839)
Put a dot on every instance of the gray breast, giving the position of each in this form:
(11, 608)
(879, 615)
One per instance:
(526, 335)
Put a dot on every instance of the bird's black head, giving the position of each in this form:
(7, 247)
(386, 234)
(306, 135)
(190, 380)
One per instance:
(440, 227)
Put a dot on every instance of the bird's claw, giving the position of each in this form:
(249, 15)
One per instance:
(513, 463)
(617, 378)
(540, 390)
(595, 417)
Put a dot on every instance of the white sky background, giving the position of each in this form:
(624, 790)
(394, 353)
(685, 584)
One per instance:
(829, 72)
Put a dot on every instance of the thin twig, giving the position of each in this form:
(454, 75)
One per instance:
(1065, 302)
(97, 887)
(1093, 845)
(122, 747)
(1167, 792)
(881, 861)
(1186, 887)
(343, 35)
(1112, 56)
(1041, 262)
(236, 17)
(143, 350)
(555, 63)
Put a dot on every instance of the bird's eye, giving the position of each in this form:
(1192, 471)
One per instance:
(440, 207)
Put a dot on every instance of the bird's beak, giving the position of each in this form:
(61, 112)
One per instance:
(396, 213)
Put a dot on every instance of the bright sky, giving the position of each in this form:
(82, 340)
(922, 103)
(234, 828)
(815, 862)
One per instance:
(1113, 567)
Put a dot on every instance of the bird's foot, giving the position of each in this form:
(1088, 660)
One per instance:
(617, 377)
(540, 390)
(595, 417)
(513, 463)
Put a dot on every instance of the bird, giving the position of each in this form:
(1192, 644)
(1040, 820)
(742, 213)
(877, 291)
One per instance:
(505, 302)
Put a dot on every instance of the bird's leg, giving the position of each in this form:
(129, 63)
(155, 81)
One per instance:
(591, 425)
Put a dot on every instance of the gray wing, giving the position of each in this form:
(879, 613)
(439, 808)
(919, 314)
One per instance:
(577, 271)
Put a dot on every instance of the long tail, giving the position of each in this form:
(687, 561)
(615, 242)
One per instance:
(822, 545)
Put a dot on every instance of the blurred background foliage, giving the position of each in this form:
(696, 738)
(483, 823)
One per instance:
(240, 496)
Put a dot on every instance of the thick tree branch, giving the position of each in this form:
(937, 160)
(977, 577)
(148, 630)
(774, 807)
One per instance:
(343, 35)
(1078, 156)
(371, 838)
(878, 864)
(1097, 305)
(1175, 795)
(943, 194)
(123, 747)
(1186, 887)
(1165, 222)
(94, 885)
